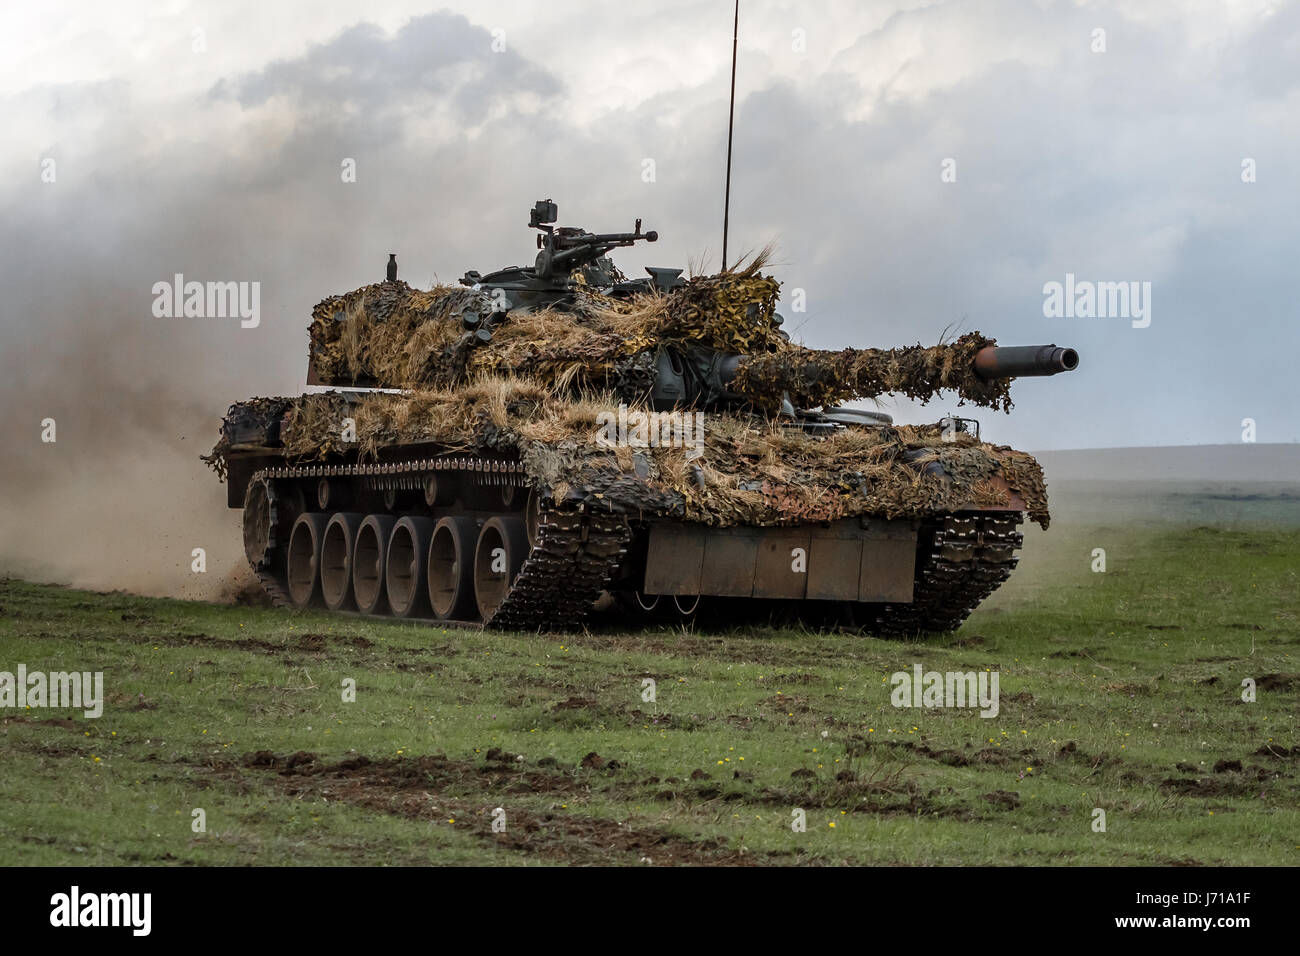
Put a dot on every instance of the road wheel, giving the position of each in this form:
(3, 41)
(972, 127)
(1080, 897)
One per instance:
(450, 569)
(500, 553)
(336, 560)
(404, 575)
(369, 558)
(304, 560)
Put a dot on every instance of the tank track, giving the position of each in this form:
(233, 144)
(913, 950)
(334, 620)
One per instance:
(574, 557)
(961, 559)
(264, 565)
(580, 553)
(965, 558)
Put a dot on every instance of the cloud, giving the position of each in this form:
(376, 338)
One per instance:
(439, 59)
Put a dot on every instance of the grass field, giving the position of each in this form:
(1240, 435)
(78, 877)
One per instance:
(1120, 691)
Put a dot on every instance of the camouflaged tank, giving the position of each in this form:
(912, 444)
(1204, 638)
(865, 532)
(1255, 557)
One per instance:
(510, 450)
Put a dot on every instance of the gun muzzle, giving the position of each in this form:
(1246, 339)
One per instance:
(1018, 361)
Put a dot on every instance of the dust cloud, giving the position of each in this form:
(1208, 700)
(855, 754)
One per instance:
(120, 499)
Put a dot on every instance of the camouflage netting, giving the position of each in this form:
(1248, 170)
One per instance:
(248, 425)
(391, 335)
(814, 379)
(749, 472)
(733, 311)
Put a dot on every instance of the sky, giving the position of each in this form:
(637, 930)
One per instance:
(924, 169)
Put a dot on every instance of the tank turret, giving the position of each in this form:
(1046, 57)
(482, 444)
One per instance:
(572, 317)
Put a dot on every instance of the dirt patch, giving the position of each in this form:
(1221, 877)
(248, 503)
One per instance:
(788, 703)
(859, 746)
(759, 649)
(1006, 799)
(950, 758)
(1278, 681)
(1088, 652)
(1209, 787)
(594, 761)
(1072, 751)
(594, 841)
(1278, 752)
(295, 643)
(63, 722)
(434, 787)
(267, 760)
(638, 716)
(883, 793)
(575, 703)
(352, 640)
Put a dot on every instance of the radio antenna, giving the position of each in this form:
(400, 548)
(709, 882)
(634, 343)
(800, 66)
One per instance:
(731, 123)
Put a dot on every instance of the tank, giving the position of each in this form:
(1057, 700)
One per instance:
(540, 441)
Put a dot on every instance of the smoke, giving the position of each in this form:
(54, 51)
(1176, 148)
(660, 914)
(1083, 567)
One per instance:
(119, 498)
(254, 191)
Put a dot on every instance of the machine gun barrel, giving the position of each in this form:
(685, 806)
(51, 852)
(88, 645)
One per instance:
(1017, 361)
(614, 238)
(566, 250)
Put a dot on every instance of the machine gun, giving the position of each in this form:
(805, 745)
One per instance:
(567, 248)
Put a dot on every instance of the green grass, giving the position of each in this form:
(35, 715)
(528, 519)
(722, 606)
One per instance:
(1119, 691)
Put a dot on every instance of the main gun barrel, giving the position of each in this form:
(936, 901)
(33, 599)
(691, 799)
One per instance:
(972, 367)
(995, 361)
